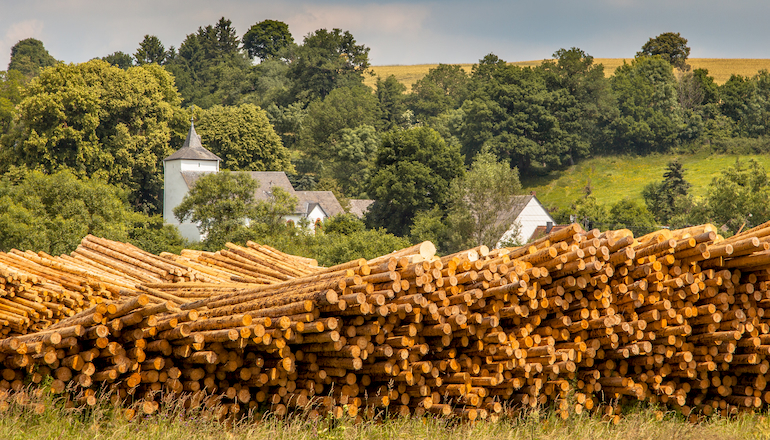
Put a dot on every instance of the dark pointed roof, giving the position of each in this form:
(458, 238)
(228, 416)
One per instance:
(192, 149)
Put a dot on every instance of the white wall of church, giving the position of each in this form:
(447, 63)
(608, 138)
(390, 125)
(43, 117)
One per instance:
(175, 188)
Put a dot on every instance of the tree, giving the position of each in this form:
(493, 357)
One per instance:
(511, 112)
(150, 51)
(584, 104)
(120, 59)
(209, 67)
(443, 88)
(345, 107)
(220, 203)
(29, 56)
(670, 46)
(243, 138)
(415, 168)
(97, 120)
(737, 198)
(52, 213)
(630, 215)
(650, 117)
(665, 199)
(11, 83)
(325, 61)
(390, 94)
(267, 38)
(481, 202)
(225, 207)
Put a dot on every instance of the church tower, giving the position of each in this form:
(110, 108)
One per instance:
(180, 172)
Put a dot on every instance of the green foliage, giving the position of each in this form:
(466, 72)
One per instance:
(671, 47)
(351, 159)
(667, 199)
(150, 51)
(650, 115)
(267, 84)
(52, 213)
(429, 225)
(11, 85)
(267, 38)
(584, 104)
(325, 61)
(225, 207)
(97, 120)
(119, 59)
(220, 203)
(243, 138)
(390, 94)
(630, 215)
(344, 107)
(334, 248)
(29, 56)
(209, 67)
(738, 197)
(747, 102)
(443, 88)
(481, 203)
(512, 112)
(337, 248)
(343, 224)
(414, 169)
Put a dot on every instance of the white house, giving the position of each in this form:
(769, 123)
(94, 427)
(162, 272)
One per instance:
(529, 214)
(188, 164)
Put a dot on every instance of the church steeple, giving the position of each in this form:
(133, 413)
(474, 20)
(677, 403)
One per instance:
(192, 149)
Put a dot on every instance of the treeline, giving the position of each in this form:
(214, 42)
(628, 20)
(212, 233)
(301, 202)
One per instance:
(262, 101)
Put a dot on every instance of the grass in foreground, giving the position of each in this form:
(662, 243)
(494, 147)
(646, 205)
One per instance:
(107, 422)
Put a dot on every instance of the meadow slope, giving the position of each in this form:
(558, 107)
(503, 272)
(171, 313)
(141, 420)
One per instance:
(613, 178)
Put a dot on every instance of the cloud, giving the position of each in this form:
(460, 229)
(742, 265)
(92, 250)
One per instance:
(15, 33)
(390, 18)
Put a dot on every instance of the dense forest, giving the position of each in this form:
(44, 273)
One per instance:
(81, 145)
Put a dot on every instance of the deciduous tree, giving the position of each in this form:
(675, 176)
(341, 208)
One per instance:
(325, 61)
(267, 38)
(98, 120)
(243, 138)
(415, 168)
(670, 46)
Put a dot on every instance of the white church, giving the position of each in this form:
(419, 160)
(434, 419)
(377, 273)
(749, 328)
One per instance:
(183, 168)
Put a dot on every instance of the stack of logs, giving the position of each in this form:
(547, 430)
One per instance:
(580, 320)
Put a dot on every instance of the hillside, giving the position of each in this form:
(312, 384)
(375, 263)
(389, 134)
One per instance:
(614, 178)
(719, 68)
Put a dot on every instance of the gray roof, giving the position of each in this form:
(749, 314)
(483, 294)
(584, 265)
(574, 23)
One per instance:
(325, 199)
(192, 149)
(359, 207)
(190, 177)
(269, 179)
(306, 200)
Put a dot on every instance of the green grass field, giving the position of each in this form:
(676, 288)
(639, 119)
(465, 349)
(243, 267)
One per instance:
(614, 178)
(719, 68)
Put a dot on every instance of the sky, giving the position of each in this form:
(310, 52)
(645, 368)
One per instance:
(400, 32)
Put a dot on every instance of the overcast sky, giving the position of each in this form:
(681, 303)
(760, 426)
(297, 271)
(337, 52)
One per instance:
(415, 32)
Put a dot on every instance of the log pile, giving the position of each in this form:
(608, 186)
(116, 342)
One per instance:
(581, 320)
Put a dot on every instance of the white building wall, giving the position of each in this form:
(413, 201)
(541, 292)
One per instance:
(532, 216)
(315, 215)
(175, 188)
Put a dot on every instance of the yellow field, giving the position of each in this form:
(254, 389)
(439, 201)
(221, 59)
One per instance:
(719, 68)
